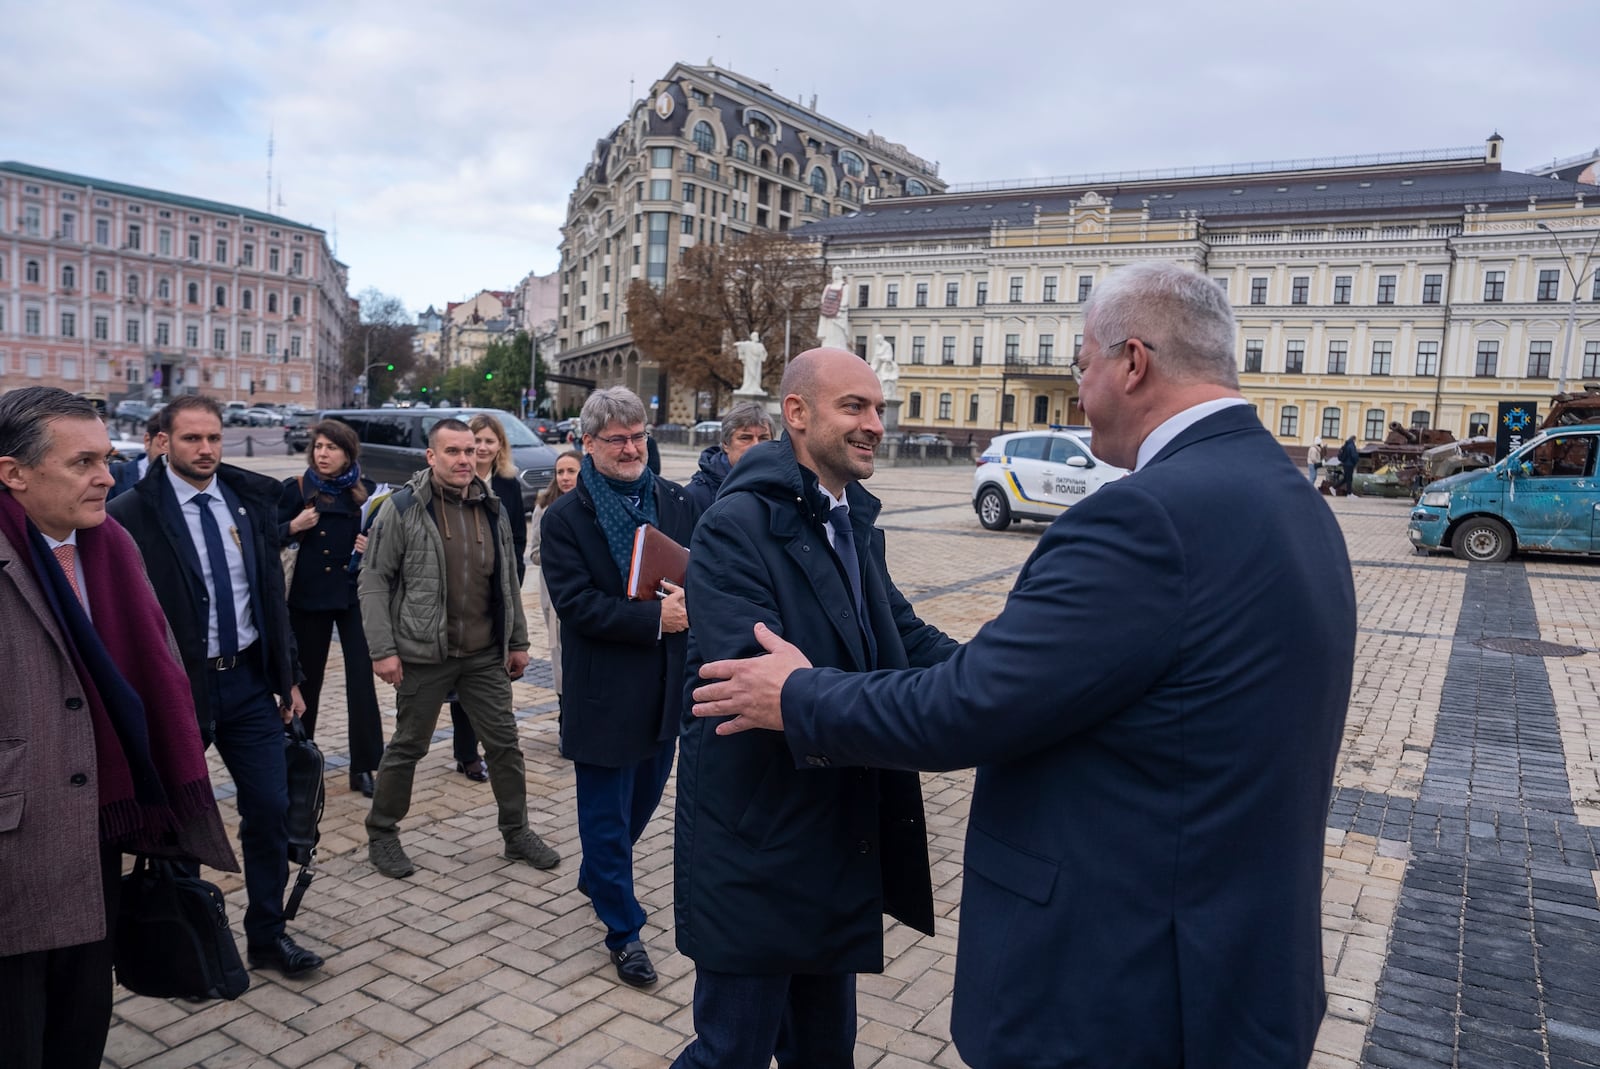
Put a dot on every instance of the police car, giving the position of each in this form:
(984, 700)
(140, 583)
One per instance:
(1036, 475)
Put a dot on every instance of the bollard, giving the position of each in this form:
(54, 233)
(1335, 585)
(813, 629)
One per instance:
(249, 445)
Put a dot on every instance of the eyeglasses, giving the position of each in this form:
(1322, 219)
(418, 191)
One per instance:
(1078, 366)
(617, 441)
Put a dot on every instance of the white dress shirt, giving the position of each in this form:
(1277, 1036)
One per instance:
(229, 526)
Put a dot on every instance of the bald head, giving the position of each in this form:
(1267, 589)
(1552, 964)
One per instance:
(812, 367)
(832, 406)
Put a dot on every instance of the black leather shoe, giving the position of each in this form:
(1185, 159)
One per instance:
(361, 781)
(287, 956)
(633, 965)
(475, 771)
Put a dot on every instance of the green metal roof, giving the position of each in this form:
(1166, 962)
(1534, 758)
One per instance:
(28, 170)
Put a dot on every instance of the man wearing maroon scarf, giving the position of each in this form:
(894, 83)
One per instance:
(99, 750)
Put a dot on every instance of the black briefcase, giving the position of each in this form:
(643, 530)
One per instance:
(173, 939)
(304, 817)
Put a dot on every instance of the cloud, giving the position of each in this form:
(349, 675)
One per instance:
(445, 140)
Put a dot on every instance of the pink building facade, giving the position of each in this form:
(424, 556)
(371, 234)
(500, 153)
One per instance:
(128, 292)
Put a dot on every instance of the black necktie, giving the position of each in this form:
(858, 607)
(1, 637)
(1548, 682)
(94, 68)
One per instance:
(844, 544)
(221, 580)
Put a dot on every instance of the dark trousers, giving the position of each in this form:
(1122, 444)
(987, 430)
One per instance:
(614, 805)
(55, 1005)
(743, 1022)
(313, 634)
(250, 740)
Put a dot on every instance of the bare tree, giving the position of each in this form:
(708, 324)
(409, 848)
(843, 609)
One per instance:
(381, 338)
(762, 283)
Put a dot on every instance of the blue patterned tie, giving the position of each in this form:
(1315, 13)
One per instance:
(221, 580)
(844, 544)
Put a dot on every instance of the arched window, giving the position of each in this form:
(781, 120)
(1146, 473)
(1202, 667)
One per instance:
(69, 277)
(765, 159)
(915, 406)
(272, 303)
(102, 281)
(915, 188)
(1289, 422)
(294, 306)
(847, 191)
(222, 297)
(1041, 409)
(30, 271)
(194, 293)
(133, 285)
(1330, 422)
(247, 300)
(788, 167)
(819, 181)
(853, 165)
(704, 139)
(741, 150)
(164, 288)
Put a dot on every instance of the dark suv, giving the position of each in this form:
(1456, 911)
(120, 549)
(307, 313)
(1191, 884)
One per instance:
(394, 442)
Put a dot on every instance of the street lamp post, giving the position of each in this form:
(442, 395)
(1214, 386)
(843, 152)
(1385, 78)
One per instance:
(1572, 305)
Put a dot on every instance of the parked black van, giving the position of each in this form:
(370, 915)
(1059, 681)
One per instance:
(394, 441)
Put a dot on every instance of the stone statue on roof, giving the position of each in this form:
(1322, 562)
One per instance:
(833, 325)
(752, 354)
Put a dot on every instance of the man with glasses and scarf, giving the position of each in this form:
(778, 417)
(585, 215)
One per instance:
(622, 660)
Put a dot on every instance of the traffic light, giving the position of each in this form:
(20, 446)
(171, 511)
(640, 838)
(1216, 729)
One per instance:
(488, 376)
(424, 389)
(388, 367)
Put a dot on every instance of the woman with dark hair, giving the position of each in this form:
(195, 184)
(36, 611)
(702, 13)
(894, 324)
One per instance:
(495, 468)
(321, 511)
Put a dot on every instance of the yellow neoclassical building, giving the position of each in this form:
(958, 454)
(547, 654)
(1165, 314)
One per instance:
(1420, 287)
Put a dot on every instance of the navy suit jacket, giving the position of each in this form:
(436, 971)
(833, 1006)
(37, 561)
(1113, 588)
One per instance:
(151, 514)
(1155, 718)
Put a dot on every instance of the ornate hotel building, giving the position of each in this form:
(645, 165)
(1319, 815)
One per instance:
(123, 291)
(709, 154)
(1421, 287)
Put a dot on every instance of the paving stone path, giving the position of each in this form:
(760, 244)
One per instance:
(1461, 926)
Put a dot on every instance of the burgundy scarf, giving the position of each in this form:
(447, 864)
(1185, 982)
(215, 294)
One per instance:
(155, 789)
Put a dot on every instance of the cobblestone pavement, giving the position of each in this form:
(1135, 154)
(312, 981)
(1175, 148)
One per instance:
(1461, 925)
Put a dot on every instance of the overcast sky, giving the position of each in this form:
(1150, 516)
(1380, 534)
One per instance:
(442, 140)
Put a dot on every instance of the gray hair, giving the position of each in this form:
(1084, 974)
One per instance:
(25, 418)
(1182, 315)
(614, 404)
(746, 414)
(449, 423)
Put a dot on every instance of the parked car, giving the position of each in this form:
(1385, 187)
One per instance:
(234, 414)
(262, 416)
(544, 428)
(296, 426)
(1036, 475)
(567, 431)
(927, 439)
(707, 429)
(127, 448)
(1541, 498)
(133, 411)
(394, 442)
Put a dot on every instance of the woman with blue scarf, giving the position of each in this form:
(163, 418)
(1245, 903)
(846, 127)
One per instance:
(321, 511)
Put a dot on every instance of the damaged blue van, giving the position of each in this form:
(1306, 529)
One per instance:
(1541, 498)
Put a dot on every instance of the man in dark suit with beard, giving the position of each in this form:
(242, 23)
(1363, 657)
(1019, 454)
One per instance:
(208, 535)
(1155, 752)
(807, 861)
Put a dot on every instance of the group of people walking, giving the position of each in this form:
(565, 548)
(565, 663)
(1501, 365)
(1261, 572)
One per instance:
(1144, 853)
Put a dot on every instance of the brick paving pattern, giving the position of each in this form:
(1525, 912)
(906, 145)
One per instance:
(1460, 918)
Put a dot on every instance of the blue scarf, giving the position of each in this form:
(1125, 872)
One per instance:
(338, 484)
(619, 517)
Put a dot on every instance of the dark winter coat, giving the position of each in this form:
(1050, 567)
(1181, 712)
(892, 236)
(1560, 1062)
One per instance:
(150, 513)
(323, 581)
(704, 484)
(803, 860)
(622, 680)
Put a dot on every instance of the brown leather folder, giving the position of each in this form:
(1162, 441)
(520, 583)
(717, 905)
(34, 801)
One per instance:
(656, 558)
